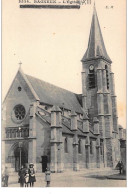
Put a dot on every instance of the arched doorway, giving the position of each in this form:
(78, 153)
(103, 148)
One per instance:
(18, 155)
(21, 157)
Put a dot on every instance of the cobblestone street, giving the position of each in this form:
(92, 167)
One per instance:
(88, 178)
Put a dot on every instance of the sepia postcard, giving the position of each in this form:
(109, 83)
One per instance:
(63, 93)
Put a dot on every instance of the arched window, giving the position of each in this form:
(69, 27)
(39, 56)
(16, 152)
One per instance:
(101, 147)
(14, 133)
(26, 132)
(91, 77)
(66, 145)
(22, 132)
(7, 133)
(79, 146)
(18, 133)
(10, 133)
(107, 77)
(91, 148)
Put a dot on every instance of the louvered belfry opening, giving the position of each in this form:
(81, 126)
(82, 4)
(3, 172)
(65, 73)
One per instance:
(91, 77)
(107, 77)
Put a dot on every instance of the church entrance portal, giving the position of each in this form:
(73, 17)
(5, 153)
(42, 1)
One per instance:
(21, 158)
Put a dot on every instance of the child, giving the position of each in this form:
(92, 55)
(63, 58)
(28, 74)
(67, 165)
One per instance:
(32, 177)
(26, 178)
(5, 177)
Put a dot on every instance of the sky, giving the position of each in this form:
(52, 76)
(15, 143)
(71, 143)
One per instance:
(51, 43)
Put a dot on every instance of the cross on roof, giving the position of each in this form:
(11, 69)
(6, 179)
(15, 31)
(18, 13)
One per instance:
(20, 63)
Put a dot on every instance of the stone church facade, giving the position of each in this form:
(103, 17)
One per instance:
(51, 126)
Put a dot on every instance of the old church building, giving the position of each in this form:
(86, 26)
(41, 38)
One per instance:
(51, 126)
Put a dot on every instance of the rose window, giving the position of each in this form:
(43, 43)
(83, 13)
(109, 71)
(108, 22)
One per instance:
(19, 112)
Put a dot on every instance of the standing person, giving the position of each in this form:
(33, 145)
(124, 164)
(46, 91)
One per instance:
(26, 178)
(47, 177)
(120, 164)
(32, 177)
(5, 177)
(21, 176)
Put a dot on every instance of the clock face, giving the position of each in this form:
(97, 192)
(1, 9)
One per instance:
(91, 67)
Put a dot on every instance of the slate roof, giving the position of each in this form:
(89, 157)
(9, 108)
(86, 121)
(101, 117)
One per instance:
(96, 47)
(53, 95)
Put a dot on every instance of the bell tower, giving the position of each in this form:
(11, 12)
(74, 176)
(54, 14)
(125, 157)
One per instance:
(98, 92)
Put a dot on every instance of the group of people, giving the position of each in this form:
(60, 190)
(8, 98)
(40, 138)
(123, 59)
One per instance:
(27, 176)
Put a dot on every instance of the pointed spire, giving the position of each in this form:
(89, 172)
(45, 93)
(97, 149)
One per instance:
(96, 47)
(94, 5)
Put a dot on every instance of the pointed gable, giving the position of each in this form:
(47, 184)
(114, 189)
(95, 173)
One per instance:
(96, 47)
(22, 81)
(27, 85)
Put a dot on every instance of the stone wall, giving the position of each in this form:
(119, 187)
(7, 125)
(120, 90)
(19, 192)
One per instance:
(43, 143)
(14, 98)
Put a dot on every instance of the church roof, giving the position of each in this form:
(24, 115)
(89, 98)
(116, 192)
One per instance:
(66, 125)
(96, 47)
(53, 95)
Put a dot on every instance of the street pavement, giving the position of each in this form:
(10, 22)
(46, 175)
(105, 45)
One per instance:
(83, 178)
